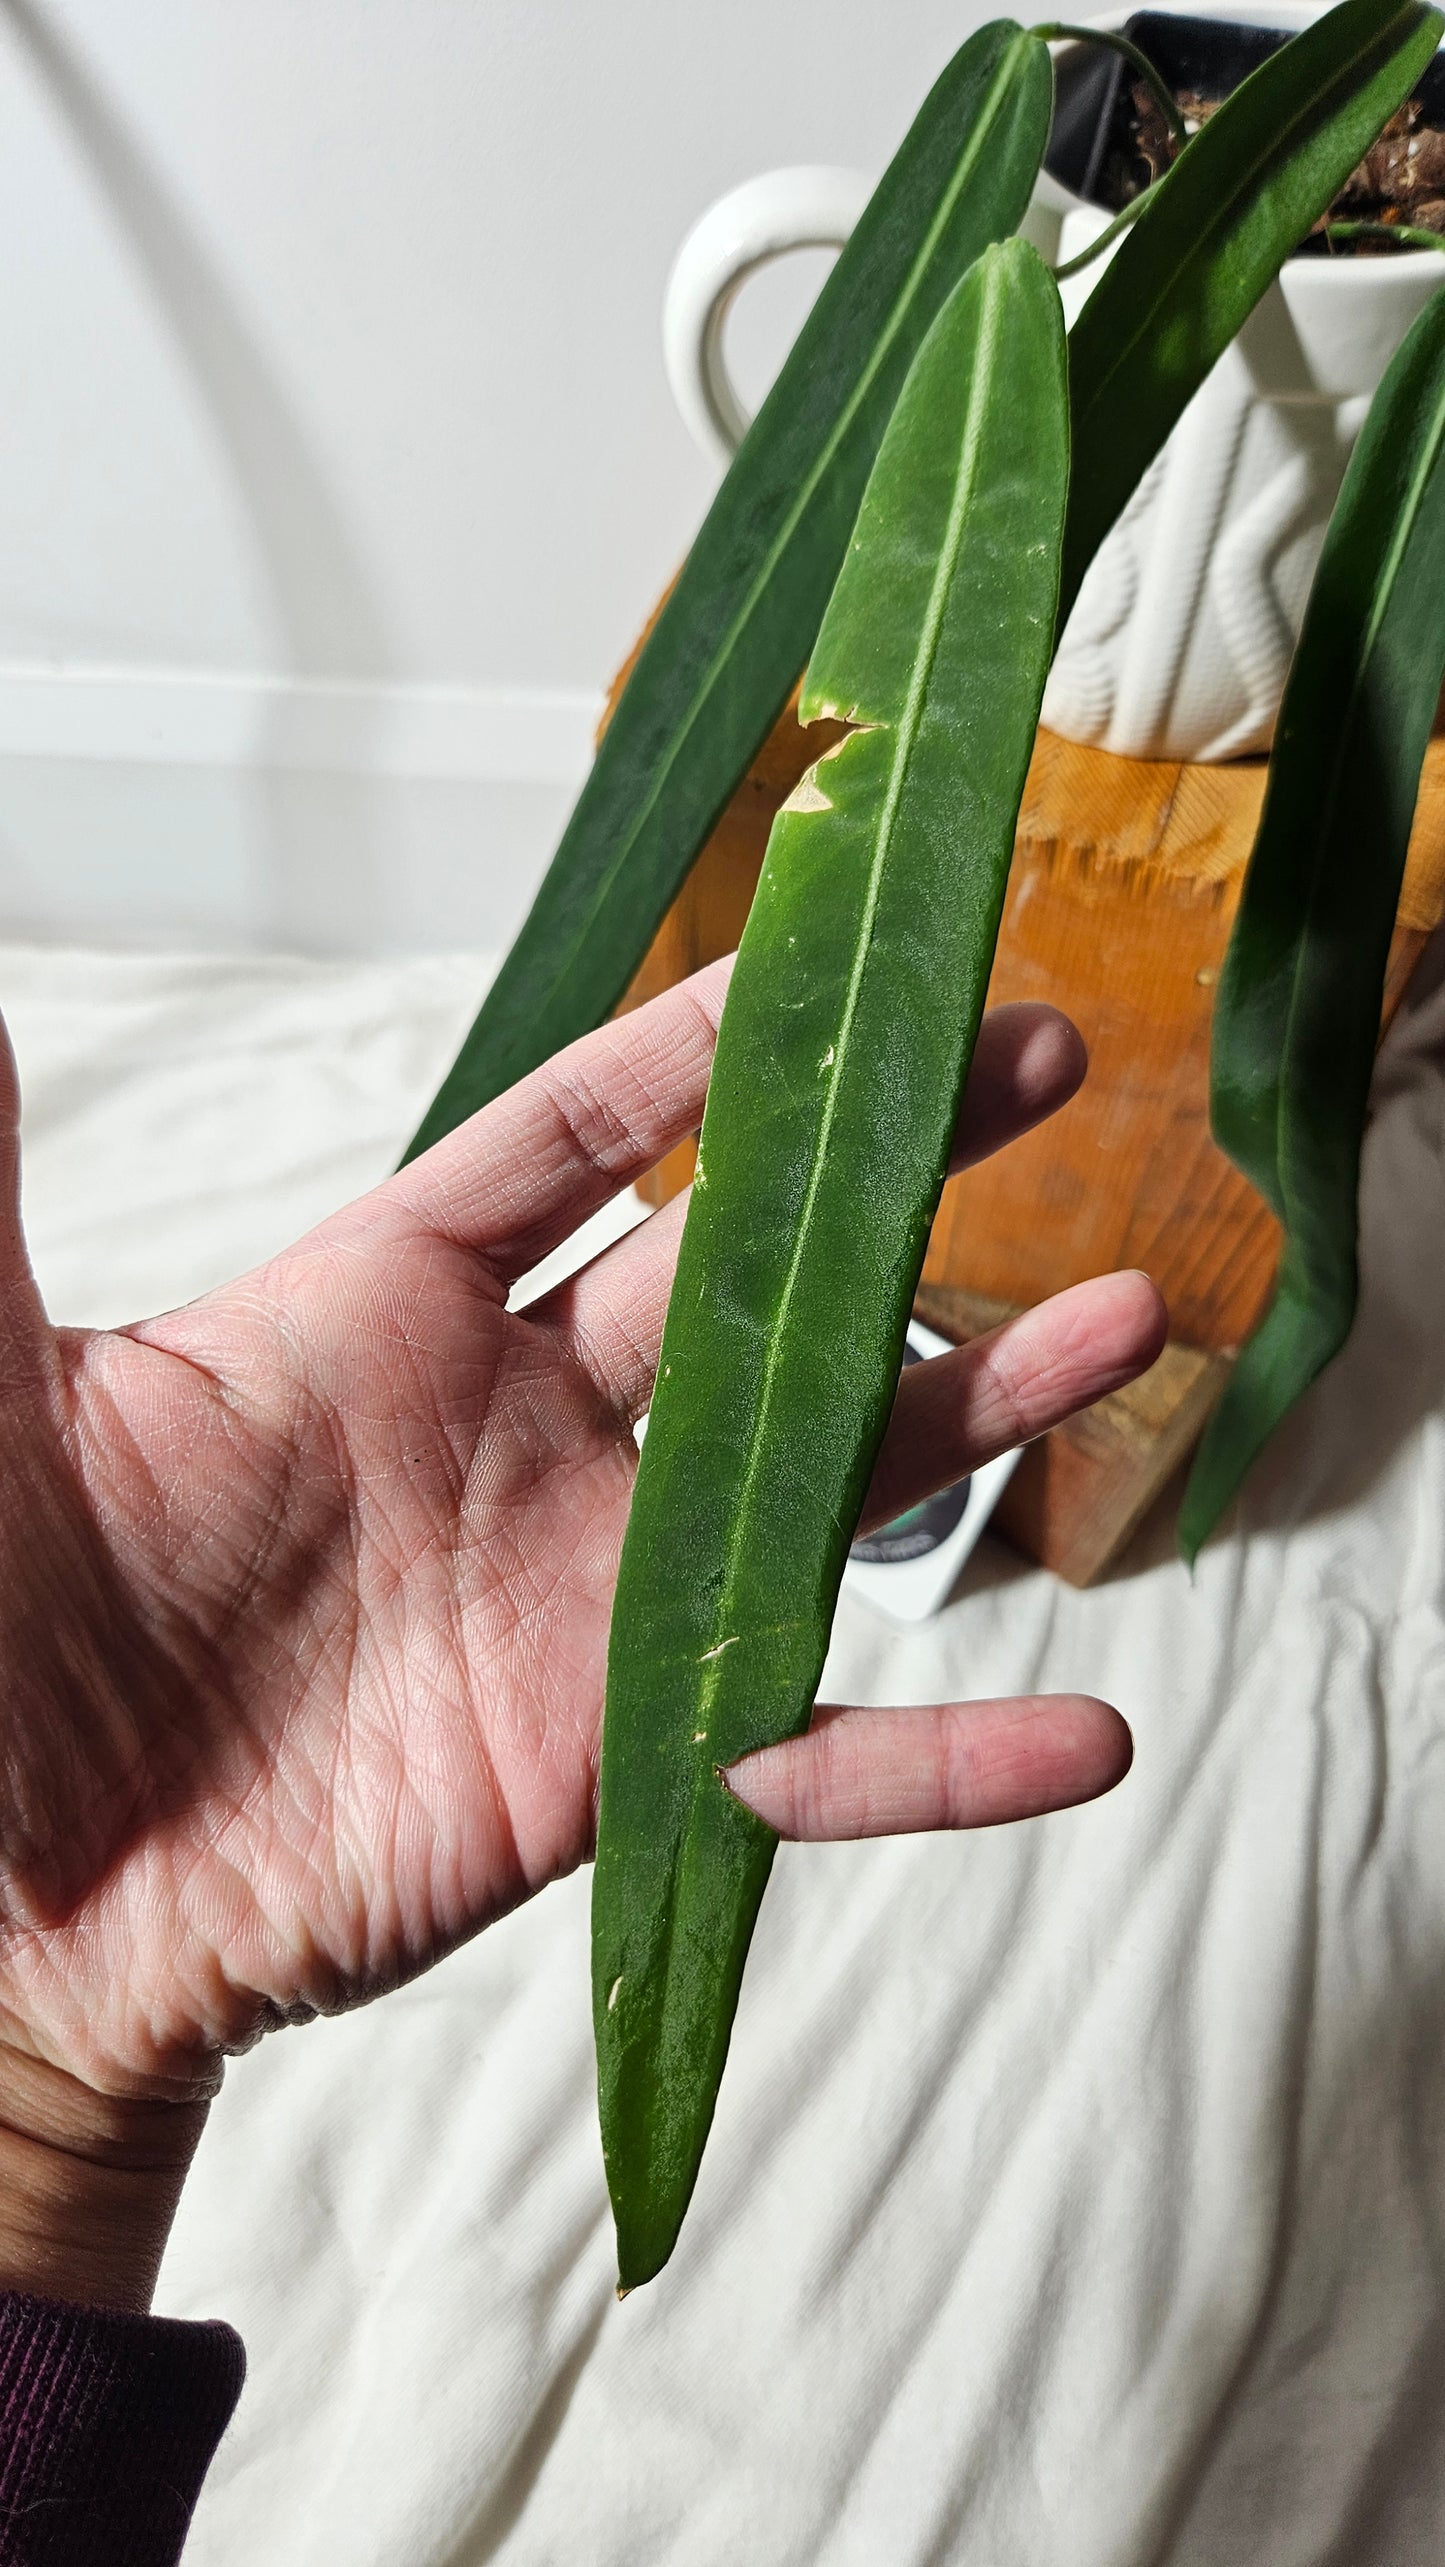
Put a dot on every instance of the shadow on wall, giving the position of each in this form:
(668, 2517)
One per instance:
(324, 604)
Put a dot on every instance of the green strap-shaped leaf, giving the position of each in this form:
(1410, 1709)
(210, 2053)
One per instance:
(1213, 233)
(727, 647)
(1298, 1012)
(719, 663)
(840, 1063)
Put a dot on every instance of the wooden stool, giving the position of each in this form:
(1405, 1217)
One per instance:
(1125, 881)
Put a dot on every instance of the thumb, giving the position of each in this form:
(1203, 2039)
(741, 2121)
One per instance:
(72, 1774)
(27, 1351)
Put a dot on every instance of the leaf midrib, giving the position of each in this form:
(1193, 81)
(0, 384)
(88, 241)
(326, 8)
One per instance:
(906, 736)
(882, 345)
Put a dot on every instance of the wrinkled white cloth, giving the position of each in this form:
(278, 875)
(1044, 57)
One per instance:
(1077, 2194)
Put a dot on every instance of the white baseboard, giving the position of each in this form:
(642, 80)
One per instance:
(182, 717)
(162, 809)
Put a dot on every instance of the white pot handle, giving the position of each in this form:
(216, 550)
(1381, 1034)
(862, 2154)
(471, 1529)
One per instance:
(785, 209)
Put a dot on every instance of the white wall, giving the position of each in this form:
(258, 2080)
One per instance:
(337, 464)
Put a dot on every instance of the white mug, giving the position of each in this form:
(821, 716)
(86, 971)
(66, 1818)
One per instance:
(1184, 627)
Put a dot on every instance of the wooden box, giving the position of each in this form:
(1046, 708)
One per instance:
(1125, 881)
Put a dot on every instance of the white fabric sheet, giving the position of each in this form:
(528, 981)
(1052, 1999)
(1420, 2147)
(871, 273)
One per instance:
(1077, 2196)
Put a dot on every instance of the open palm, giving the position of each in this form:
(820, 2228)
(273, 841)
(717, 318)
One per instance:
(304, 1589)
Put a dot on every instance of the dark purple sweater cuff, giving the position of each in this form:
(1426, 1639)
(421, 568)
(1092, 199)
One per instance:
(107, 2426)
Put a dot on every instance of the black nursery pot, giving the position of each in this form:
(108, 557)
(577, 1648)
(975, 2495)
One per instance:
(1092, 130)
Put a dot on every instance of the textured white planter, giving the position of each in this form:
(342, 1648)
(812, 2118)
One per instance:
(1182, 634)
(1184, 628)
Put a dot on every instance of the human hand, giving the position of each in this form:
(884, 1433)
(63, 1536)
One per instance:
(304, 1594)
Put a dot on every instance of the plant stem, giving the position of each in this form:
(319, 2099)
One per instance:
(1405, 236)
(1163, 95)
(1121, 222)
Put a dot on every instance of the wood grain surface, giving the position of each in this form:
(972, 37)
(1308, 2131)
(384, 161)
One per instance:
(1125, 881)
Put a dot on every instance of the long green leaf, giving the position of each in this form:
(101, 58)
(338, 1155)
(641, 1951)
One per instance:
(1214, 232)
(841, 1059)
(1298, 1012)
(726, 650)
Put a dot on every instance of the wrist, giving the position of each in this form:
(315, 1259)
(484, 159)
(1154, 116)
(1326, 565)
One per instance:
(89, 2184)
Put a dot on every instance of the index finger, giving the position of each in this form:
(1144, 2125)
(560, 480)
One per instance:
(522, 1175)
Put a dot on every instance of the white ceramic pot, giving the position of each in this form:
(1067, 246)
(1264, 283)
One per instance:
(1184, 627)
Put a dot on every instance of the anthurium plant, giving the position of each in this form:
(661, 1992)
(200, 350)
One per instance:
(911, 516)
